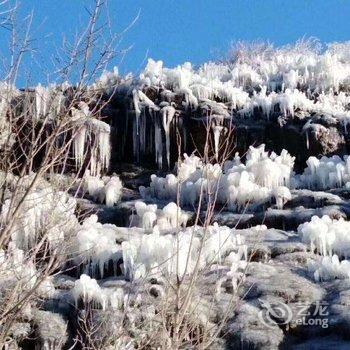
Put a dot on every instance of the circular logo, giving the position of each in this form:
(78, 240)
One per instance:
(274, 314)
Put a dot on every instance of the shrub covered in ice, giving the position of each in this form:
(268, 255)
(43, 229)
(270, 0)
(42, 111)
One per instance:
(280, 70)
(94, 186)
(44, 211)
(220, 241)
(14, 267)
(325, 173)
(329, 268)
(95, 246)
(326, 235)
(262, 177)
(105, 190)
(51, 329)
(107, 81)
(87, 289)
(148, 216)
(113, 190)
(157, 254)
(288, 67)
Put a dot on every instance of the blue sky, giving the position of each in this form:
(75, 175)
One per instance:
(190, 30)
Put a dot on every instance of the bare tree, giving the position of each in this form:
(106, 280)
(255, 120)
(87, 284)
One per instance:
(37, 142)
(38, 130)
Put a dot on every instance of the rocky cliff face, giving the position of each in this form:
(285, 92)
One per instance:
(303, 135)
(278, 241)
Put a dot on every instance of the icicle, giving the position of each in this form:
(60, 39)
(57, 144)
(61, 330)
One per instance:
(113, 191)
(94, 163)
(60, 103)
(142, 132)
(217, 129)
(41, 98)
(137, 108)
(159, 145)
(104, 148)
(79, 146)
(101, 152)
(168, 114)
(136, 126)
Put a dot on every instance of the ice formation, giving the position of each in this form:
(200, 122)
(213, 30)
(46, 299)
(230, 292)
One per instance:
(87, 127)
(279, 73)
(263, 79)
(14, 267)
(274, 84)
(326, 235)
(88, 290)
(269, 80)
(17, 271)
(256, 78)
(95, 247)
(326, 173)
(217, 130)
(42, 96)
(49, 101)
(168, 218)
(108, 81)
(113, 190)
(106, 189)
(262, 177)
(168, 113)
(329, 268)
(43, 211)
(155, 254)
(277, 68)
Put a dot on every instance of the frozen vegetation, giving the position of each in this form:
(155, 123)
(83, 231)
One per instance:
(266, 222)
(262, 177)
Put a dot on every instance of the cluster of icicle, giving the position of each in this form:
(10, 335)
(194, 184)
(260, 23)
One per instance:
(107, 189)
(49, 104)
(14, 267)
(49, 101)
(329, 268)
(88, 128)
(326, 235)
(95, 247)
(331, 239)
(43, 210)
(149, 216)
(155, 254)
(163, 116)
(258, 78)
(326, 173)
(88, 290)
(262, 177)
